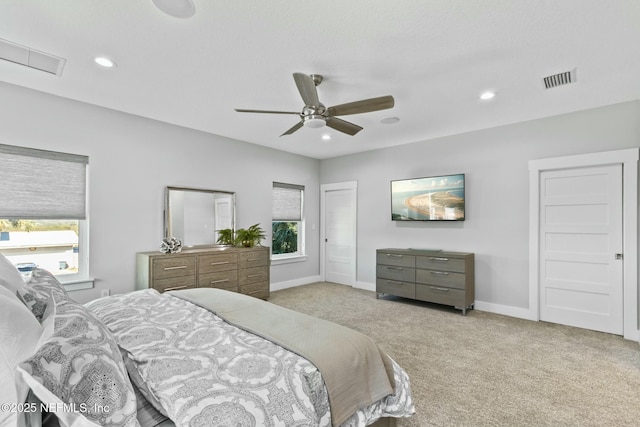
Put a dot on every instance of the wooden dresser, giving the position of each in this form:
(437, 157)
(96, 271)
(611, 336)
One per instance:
(244, 270)
(425, 275)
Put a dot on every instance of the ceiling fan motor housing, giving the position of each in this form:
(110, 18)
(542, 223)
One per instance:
(315, 121)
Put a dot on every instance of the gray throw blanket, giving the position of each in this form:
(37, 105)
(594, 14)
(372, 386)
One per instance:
(355, 371)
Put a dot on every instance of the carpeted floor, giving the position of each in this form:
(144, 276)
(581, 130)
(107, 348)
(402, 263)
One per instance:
(485, 369)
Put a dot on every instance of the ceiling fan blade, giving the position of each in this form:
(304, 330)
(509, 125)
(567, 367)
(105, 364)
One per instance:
(343, 126)
(240, 110)
(293, 129)
(364, 106)
(307, 89)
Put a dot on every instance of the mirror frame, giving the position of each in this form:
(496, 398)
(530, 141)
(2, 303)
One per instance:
(167, 211)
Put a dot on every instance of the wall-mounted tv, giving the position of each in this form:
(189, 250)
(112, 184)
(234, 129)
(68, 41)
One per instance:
(434, 198)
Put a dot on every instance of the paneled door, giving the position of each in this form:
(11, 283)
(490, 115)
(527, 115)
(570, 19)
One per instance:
(581, 265)
(339, 232)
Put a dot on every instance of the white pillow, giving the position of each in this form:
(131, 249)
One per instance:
(19, 334)
(87, 369)
(10, 277)
(8, 293)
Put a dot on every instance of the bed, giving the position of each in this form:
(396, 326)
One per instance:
(197, 357)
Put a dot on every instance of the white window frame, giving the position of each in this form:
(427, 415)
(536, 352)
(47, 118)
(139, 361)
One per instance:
(82, 279)
(300, 254)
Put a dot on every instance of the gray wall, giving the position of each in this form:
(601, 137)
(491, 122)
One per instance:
(495, 162)
(132, 159)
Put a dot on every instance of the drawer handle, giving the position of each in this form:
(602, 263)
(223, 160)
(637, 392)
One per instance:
(253, 259)
(394, 255)
(219, 263)
(254, 275)
(440, 273)
(180, 267)
(389, 282)
(439, 289)
(213, 282)
(439, 259)
(395, 268)
(175, 288)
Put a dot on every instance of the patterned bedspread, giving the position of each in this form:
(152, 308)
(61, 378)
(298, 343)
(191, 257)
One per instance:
(199, 370)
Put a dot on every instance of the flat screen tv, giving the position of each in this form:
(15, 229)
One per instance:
(434, 198)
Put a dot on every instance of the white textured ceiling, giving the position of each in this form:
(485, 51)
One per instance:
(434, 56)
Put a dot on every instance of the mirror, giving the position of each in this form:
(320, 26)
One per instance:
(194, 215)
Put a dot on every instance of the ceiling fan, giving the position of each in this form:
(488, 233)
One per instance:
(316, 115)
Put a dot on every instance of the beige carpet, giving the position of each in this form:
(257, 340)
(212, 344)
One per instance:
(485, 369)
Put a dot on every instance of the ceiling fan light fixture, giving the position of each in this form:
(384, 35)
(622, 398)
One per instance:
(176, 8)
(315, 121)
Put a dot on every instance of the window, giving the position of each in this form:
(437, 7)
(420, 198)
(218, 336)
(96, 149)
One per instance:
(287, 224)
(43, 211)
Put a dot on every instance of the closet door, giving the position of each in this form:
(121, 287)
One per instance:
(581, 265)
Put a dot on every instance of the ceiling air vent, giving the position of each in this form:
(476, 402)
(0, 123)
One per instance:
(31, 58)
(560, 79)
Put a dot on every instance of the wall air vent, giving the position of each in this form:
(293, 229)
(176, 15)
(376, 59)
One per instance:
(31, 58)
(560, 79)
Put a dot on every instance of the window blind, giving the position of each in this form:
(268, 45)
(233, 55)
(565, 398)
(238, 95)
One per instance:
(40, 184)
(287, 202)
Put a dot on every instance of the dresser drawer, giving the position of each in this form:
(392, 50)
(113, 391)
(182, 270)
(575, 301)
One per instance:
(442, 263)
(220, 279)
(206, 268)
(253, 259)
(258, 290)
(441, 295)
(170, 267)
(400, 274)
(252, 275)
(174, 283)
(392, 287)
(399, 260)
(217, 262)
(441, 278)
(437, 276)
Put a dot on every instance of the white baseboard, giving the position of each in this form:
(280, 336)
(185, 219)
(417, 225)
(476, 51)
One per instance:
(505, 310)
(293, 283)
(366, 286)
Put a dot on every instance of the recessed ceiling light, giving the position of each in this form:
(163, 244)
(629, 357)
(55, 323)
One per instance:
(390, 120)
(176, 8)
(326, 137)
(104, 62)
(487, 95)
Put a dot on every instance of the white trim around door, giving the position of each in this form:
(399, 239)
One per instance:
(350, 188)
(629, 160)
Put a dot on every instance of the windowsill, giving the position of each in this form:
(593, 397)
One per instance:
(288, 260)
(77, 284)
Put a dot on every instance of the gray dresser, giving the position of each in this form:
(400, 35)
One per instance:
(433, 276)
(244, 270)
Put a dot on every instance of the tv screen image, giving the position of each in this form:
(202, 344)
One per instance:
(435, 198)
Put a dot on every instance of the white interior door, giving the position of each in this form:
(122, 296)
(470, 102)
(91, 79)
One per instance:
(223, 215)
(581, 267)
(339, 232)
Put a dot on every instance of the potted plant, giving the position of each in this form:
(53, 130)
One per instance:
(242, 237)
(250, 237)
(226, 237)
